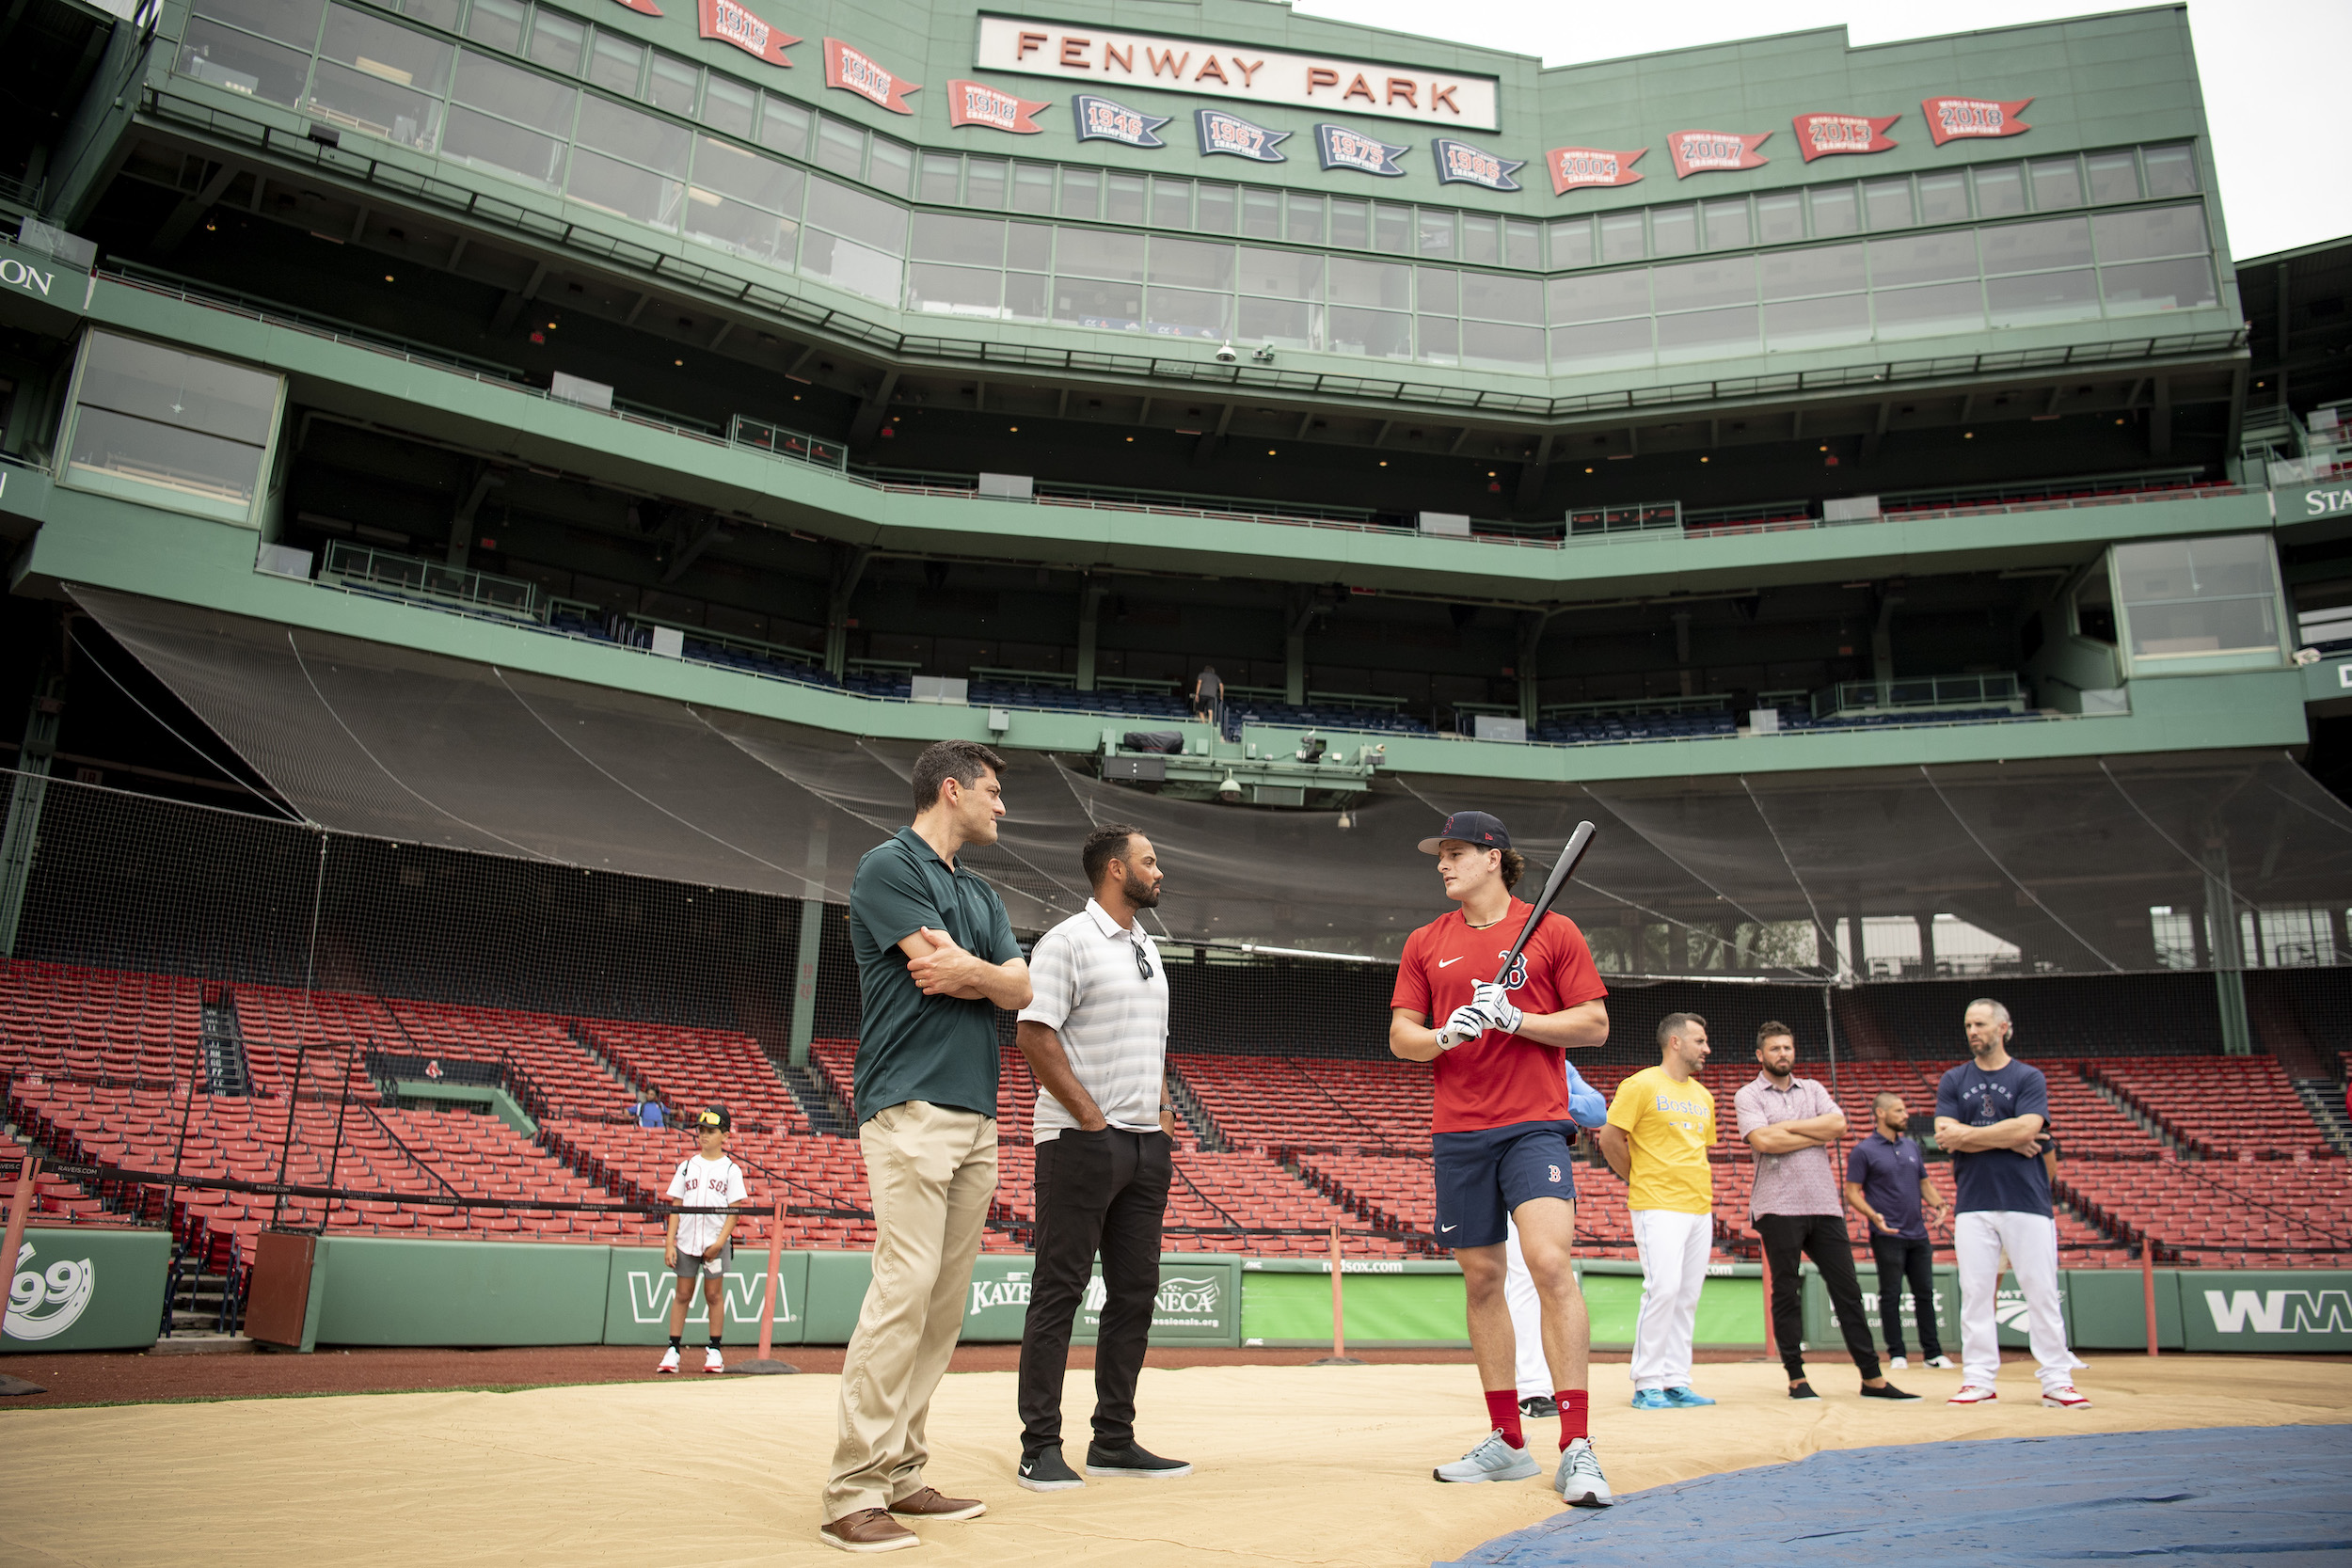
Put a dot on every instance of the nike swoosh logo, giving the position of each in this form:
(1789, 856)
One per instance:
(1442, 962)
(1446, 1228)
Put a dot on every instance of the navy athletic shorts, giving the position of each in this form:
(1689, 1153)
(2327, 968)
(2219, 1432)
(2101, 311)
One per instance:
(1483, 1175)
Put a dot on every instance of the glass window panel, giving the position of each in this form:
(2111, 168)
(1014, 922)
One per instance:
(2001, 190)
(1029, 246)
(2023, 246)
(556, 41)
(1393, 228)
(2150, 231)
(984, 183)
(1187, 313)
(1441, 340)
(1482, 239)
(1215, 209)
(1520, 248)
(364, 101)
(612, 186)
(1026, 294)
(169, 457)
(1886, 203)
(401, 55)
(1099, 253)
(848, 266)
(890, 166)
(632, 133)
(479, 139)
(1351, 223)
(728, 106)
(1830, 269)
(1695, 285)
(1081, 193)
(1433, 235)
(1284, 323)
(738, 226)
(1621, 237)
(2183, 284)
(1727, 224)
(2058, 184)
(1601, 345)
(1261, 213)
(949, 237)
(1938, 307)
(1571, 243)
(943, 173)
(1799, 323)
(1385, 284)
(1779, 218)
(1303, 219)
(840, 146)
(1441, 290)
(783, 125)
(1122, 198)
(1834, 211)
(1033, 187)
(228, 58)
(942, 290)
(2173, 569)
(498, 24)
(2114, 177)
(1942, 197)
(1494, 346)
(1192, 263)
(510, 93)
(1280, 274)
(2172, 171)
(1374, 334)
(294, 22)
(616, 64)
(1704, 333)
(434, 14)
(2042, 296)
(1084, 302)
(1494, 296)
(870, 221)
(130, 376)
(1923, 258)
(672, 83)
(1673, 230)
(2215, 627)
(1598, 296)
(1172, 202)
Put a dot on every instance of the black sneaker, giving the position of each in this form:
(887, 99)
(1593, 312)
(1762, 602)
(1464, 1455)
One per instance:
(1133, 1459)
(1801, 1390)
(1042, 1470)
(1539, 1407)
(1885, 1391)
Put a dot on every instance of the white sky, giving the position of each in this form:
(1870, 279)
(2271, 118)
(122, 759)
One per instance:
(2272, 72)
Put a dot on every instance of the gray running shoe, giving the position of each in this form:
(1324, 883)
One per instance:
(1492, 1460)
(1578, 1480)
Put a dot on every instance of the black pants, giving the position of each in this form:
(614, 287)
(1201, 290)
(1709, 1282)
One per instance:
(1104, 1190)
(1902, 1258)
(1822, 1238)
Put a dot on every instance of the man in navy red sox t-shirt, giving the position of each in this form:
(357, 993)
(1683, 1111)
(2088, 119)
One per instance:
(1501, 1129)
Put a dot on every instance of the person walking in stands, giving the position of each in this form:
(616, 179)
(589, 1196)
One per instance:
(706, 1186)
(1660, 1125)
(1587, 1109)
(1989, 1114)
(1790, 1122)
(935, 958)
(1096, 1037)
(1887, 1185)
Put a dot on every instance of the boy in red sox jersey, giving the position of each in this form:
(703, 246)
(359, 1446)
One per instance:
(707, 1187)
(1501, 1130)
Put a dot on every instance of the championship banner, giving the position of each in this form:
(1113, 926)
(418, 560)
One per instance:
(646, 7)
(1819, 135)
(1100, 120)
(1224, 133)
(1957, 119)
(1574, 167)
(729, 22)
(852, 71)
(1460, 164)
(1700, 151)
(978, 103)
(1342, 148)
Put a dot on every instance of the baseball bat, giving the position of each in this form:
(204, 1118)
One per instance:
(1562, 870)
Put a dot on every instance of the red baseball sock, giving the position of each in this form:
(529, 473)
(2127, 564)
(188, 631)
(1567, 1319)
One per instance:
(1502, 1409)
(1576, 1414)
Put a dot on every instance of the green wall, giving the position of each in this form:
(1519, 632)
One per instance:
(86, 1289)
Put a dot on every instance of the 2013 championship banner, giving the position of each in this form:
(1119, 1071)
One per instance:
(1826, 136)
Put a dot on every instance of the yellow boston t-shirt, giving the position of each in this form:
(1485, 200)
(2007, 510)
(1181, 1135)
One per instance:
(1670, 1127)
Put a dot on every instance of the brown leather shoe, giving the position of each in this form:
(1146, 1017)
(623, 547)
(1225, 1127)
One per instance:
(929, 1504)
(869, 1530)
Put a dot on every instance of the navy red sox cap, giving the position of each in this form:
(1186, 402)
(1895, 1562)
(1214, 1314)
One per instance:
(1469, 827)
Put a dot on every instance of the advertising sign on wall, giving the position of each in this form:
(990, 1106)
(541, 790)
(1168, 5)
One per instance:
(1822, 135)
(2255, 1310)
(86, 1289)
(1957, 119)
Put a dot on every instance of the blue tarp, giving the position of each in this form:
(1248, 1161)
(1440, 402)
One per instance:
(2277, 1495)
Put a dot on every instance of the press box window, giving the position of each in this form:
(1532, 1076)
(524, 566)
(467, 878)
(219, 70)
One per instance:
(170, 428)
(2200, 603)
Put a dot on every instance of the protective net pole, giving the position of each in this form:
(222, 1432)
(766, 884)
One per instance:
(2148, 1286)
(768, 1296)
(1339, 1356)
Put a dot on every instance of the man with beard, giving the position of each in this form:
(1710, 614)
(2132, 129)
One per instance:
(1887, 1184)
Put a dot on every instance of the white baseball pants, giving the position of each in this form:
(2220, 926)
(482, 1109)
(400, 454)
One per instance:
(2030, 1240)
(1674, 1270)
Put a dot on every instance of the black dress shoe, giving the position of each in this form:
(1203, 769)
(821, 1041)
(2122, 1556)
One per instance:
(1801, 1390)
(1539, 1407)
(1885, 1391)
(1133, 1459)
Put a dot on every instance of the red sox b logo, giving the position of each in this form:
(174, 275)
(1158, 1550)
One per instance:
(1555, 1175)
(1517, 975)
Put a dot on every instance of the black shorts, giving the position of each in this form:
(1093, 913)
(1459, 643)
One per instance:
(711, 1268)
(1484, 1175)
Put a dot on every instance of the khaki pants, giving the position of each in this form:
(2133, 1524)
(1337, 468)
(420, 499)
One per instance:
(933, 1173)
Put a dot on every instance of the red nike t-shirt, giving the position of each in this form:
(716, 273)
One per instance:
(1497, 1080)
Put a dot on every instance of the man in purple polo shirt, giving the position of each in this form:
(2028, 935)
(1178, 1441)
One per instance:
(1790, 1122)
(1887, 1184)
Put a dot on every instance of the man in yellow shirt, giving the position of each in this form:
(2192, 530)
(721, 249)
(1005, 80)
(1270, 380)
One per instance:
(1661, 1126)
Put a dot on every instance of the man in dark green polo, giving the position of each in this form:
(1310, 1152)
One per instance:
(936, 959)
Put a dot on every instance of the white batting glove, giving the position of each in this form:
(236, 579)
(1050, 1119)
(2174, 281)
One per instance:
(1494, 1004)
(1464, 1025)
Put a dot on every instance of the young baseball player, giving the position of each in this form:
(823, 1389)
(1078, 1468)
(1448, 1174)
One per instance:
(706, 1186)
